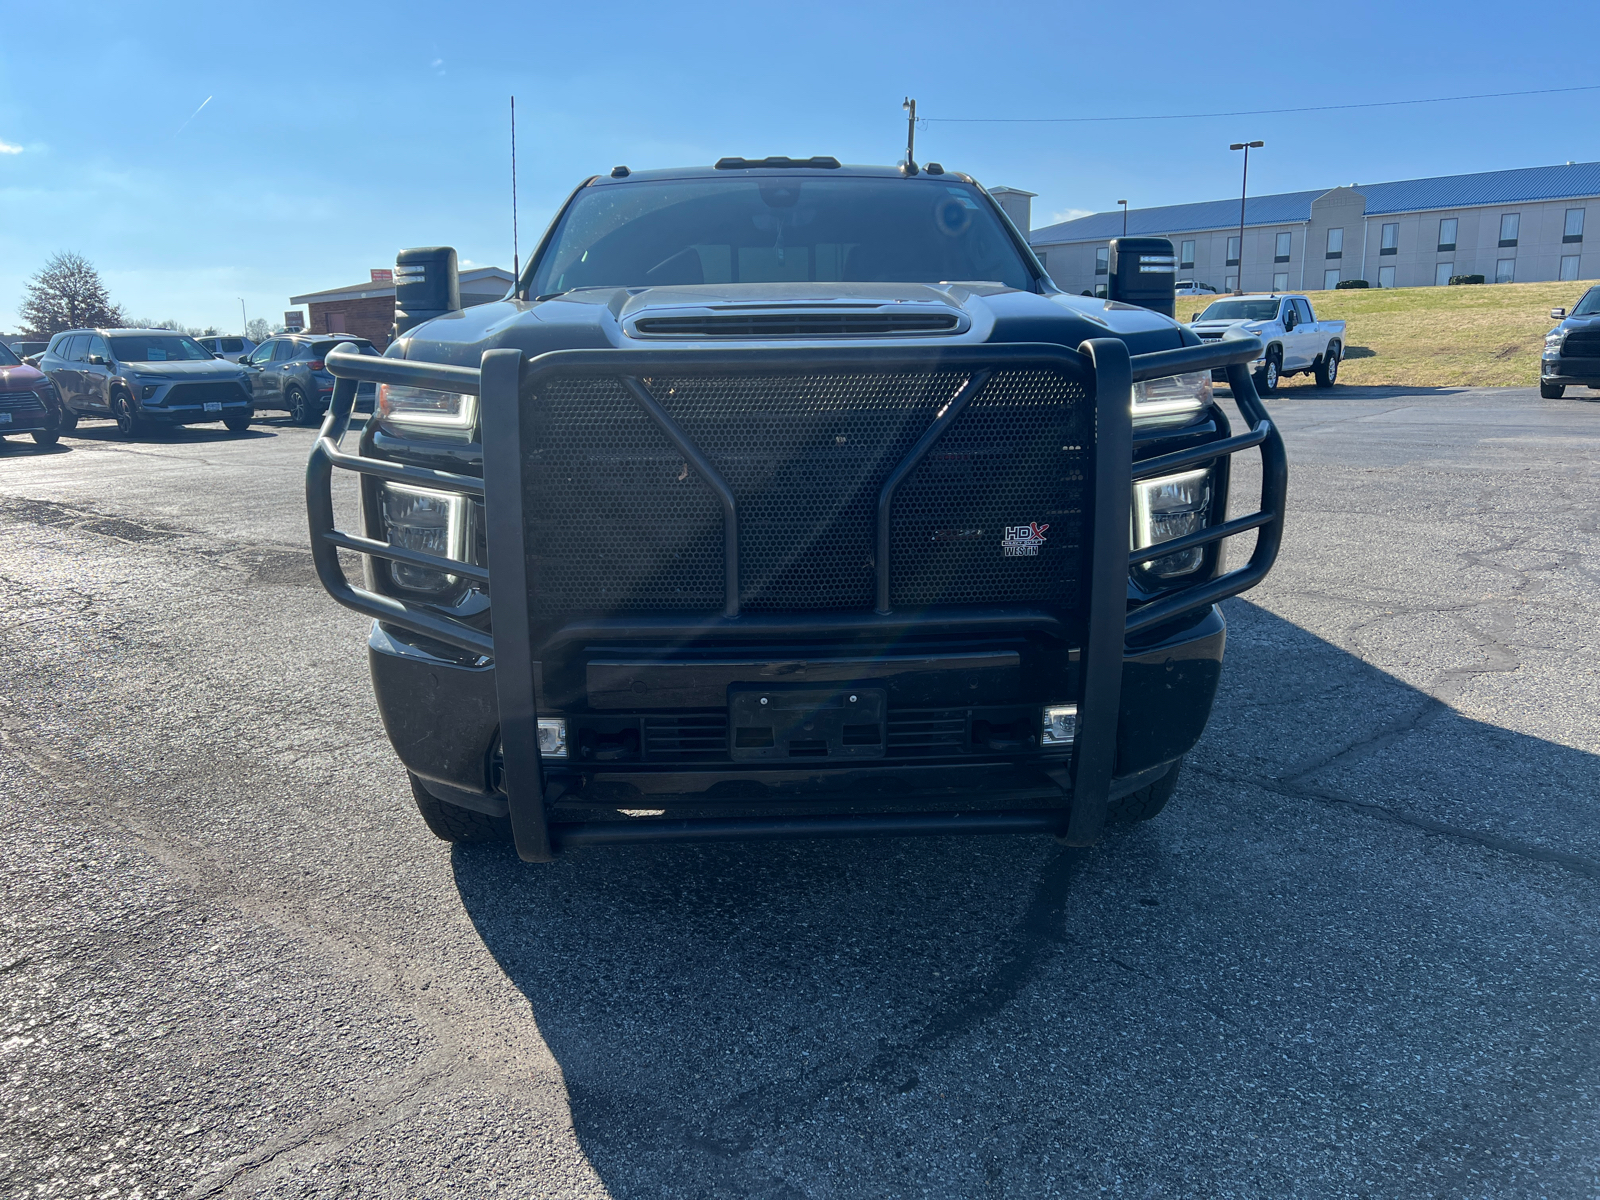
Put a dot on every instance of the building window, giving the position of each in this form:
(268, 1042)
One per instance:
(1505, 271)
(1385, 276)
(1335, 243)
(1391, 239)
(1569, 266)
(1508, 228)
(1281, 251)
(1574, 227)
(1102, 260)
(1442, 273)
(1280, 281)
(1330, 278)
(1233, 253)
(1447, 235)
(1099, 291)
(1230, 283)
(1186, 255)
(1044, 261)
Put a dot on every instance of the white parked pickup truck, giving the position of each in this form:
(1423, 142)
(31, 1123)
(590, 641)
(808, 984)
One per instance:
(1293, 340)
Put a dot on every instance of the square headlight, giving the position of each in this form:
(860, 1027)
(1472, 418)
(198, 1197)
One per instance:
(1172, 399)
(411, 411)
(428, 521)
(1173, 506)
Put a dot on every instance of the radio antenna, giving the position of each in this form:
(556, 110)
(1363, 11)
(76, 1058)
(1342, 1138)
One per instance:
(910, 106)
(514, 247)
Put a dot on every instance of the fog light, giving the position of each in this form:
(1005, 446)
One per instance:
(553, 737)
(1060, 725)
(427, 521)
(1169, 508)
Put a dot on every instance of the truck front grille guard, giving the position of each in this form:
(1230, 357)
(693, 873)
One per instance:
(505, 379)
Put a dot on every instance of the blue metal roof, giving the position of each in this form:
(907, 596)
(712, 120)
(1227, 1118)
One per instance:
(1523, 185)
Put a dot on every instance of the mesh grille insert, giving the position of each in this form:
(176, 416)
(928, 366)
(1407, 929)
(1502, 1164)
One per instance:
(1016, 457)
(798, 324)
(619, 523)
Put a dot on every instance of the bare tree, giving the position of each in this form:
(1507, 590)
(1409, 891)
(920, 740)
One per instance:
(68, 294)
(257, 330)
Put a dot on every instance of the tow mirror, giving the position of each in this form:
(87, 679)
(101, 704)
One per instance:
(1558, 314)
(1142, 271)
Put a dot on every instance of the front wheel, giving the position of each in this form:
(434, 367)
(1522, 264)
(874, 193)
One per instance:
(68, 421)
(237, 424)
(1552, 391)
(1327, 370)
(1147, 801)
(128, 421)
(46, 437)
(452, 823)
(1267, 377)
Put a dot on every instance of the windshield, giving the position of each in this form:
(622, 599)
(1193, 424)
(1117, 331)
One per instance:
(779, 230)
(157, 347)
(1241, 310)
(7, 358)
(1589, 306)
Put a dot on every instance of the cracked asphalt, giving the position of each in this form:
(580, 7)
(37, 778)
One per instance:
(1356, 956)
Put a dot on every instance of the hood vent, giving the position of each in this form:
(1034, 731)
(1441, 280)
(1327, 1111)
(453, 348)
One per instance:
(800, 323)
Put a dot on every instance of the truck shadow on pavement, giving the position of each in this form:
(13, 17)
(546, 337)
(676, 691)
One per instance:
(1354, 937)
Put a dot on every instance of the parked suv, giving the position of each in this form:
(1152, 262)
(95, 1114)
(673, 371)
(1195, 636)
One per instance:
(28, 402)
(288, 371)
(1572, 348)
(144, 377)
(230, 348)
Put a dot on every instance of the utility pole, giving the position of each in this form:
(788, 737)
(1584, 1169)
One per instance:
(514, 247)
(910, 106)
(1124, 204)
(1238, 280)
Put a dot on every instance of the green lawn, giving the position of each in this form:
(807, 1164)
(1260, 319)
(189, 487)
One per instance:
(1482, 335)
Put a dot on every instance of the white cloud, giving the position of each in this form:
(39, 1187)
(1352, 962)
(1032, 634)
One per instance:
(8, 148)
(1070, 214)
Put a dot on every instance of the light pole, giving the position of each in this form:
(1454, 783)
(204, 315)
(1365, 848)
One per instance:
(245, 319)
(1124, 204)
(1238, 280)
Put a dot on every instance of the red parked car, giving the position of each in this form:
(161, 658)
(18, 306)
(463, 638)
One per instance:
(28, 401)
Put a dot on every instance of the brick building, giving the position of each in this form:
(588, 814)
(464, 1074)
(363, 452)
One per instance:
(367, 309)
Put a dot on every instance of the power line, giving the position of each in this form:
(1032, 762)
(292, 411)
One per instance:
(1250, 112)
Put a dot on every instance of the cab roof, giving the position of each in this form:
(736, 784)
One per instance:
(816, 167)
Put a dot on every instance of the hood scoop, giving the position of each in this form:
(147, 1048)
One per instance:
(799, 321)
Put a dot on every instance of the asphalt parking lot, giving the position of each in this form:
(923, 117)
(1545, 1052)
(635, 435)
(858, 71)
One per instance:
(1358, 955)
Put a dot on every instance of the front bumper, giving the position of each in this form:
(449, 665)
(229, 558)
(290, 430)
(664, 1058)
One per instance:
(1571, 370)
(27, 412)
(1165, 652)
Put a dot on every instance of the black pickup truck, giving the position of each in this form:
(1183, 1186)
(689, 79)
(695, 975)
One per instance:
(782, 498)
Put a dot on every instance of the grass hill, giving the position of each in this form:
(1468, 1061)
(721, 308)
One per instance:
(1483, 335)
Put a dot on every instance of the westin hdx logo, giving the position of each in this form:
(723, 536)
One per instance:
(1023, 541)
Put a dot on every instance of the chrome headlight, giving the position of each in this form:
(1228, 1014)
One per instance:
(1173, 506)
(1172, 399)
(411, 411)
(1552, 343)
(428, 521)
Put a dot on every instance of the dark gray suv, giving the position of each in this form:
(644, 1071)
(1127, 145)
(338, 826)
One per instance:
(143, 378)
(287, 371)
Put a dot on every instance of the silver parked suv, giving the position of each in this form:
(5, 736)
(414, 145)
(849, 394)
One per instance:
(142, 378)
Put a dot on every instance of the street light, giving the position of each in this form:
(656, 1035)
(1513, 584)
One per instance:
(242, 317)
(1124, 204)
(1238, 280)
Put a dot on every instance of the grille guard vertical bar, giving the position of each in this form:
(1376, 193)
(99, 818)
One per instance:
(702, 464)
(1096, 740)
(967, 392)
(505, 421)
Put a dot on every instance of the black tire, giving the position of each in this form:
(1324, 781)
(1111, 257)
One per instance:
(68, 421)
(1327, 370)
(129, 422)
(1267, 378)
(237, 424)
(1552, 391)
(46, 437)
(1147, 801)
(299, 407)
(452, 823)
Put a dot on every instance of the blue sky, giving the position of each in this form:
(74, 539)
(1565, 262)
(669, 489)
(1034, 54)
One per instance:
(338, 133)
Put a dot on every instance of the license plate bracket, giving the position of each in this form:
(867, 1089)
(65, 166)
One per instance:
(801, 724)
(213, 405)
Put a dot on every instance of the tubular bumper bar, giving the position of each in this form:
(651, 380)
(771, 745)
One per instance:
(501, 382)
